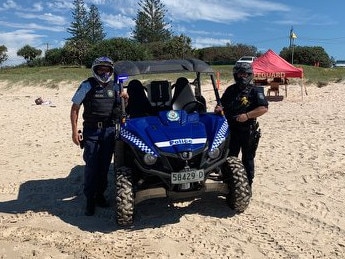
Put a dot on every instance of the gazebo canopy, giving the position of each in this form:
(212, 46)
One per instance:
(271, 65)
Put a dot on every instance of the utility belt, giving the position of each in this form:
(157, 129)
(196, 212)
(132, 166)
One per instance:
(99, 124)
(243, 126)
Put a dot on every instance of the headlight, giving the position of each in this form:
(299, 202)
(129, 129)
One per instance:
(150, 159)
(214, 153)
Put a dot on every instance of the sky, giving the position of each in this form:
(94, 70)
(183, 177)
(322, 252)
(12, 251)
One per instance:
(265, 24)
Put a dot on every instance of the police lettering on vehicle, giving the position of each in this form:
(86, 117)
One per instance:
(186, 141)
(181, 141)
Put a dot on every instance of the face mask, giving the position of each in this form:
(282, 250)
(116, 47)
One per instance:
(242, 81)
(104, 76)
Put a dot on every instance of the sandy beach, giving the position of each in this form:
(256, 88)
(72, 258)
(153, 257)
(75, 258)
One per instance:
(297, 209)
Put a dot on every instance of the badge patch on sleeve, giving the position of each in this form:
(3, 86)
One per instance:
(261, 96)
(110, 93)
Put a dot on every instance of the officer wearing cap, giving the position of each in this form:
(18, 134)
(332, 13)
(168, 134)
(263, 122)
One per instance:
(242, 103)
(100, 98)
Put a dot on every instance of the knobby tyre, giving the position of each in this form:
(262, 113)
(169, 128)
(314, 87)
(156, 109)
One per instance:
(240, 191)
(124, 197)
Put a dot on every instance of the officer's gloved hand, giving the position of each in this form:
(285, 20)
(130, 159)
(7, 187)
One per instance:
(218, 109)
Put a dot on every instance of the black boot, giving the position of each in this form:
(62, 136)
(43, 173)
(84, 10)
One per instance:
(101, 201)
(90, 207)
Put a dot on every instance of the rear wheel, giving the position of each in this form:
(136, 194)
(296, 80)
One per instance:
(240, 191)
(124, 196)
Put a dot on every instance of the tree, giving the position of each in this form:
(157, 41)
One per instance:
(78, 44)
(79, 24)
(29, 53)
(149, 23)
(54, 56)
(176, 47)
(95, 27)
(307, 55)
(228, 54)
(3, 55)
(77, 50)
(179, 47)
(118, 49)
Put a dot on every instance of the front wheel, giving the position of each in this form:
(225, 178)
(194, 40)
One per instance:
(240, 191)
(124, 196)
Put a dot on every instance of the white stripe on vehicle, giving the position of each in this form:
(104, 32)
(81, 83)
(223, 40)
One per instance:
(174, 142)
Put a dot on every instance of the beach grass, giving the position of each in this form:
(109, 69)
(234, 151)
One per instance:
(51, 76)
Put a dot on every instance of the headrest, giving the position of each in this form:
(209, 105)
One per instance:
(159, 91)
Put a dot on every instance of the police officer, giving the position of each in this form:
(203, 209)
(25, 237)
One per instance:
(242, 103)
(100, 98)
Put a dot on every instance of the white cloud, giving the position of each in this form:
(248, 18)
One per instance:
(48, 17)
(127, 8)
(33, 26)
(98, 2)
(60, 5)
(21, 37)
(202, 42)
(15, 40)
(37, 7)
(9, 4)
(117, 21)
(224, 11)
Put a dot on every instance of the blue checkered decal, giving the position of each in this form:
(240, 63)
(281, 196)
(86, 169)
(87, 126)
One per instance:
(136, 141)
(221, 135)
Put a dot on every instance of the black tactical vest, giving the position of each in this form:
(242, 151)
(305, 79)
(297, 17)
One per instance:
(101, 103)
(238, 101)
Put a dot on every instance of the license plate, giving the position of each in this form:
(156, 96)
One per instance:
(187, 176)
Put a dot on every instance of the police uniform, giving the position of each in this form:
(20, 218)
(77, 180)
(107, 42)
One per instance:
(238, 100)
(101, 109)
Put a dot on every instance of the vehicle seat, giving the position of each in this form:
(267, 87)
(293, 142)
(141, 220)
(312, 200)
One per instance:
(159, 95)
(183, 93)
(138, 103)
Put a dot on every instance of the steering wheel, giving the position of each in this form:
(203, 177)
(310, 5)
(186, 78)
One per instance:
(194, 106)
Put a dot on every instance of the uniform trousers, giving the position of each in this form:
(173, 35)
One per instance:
(240, 141)
(98, 152)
